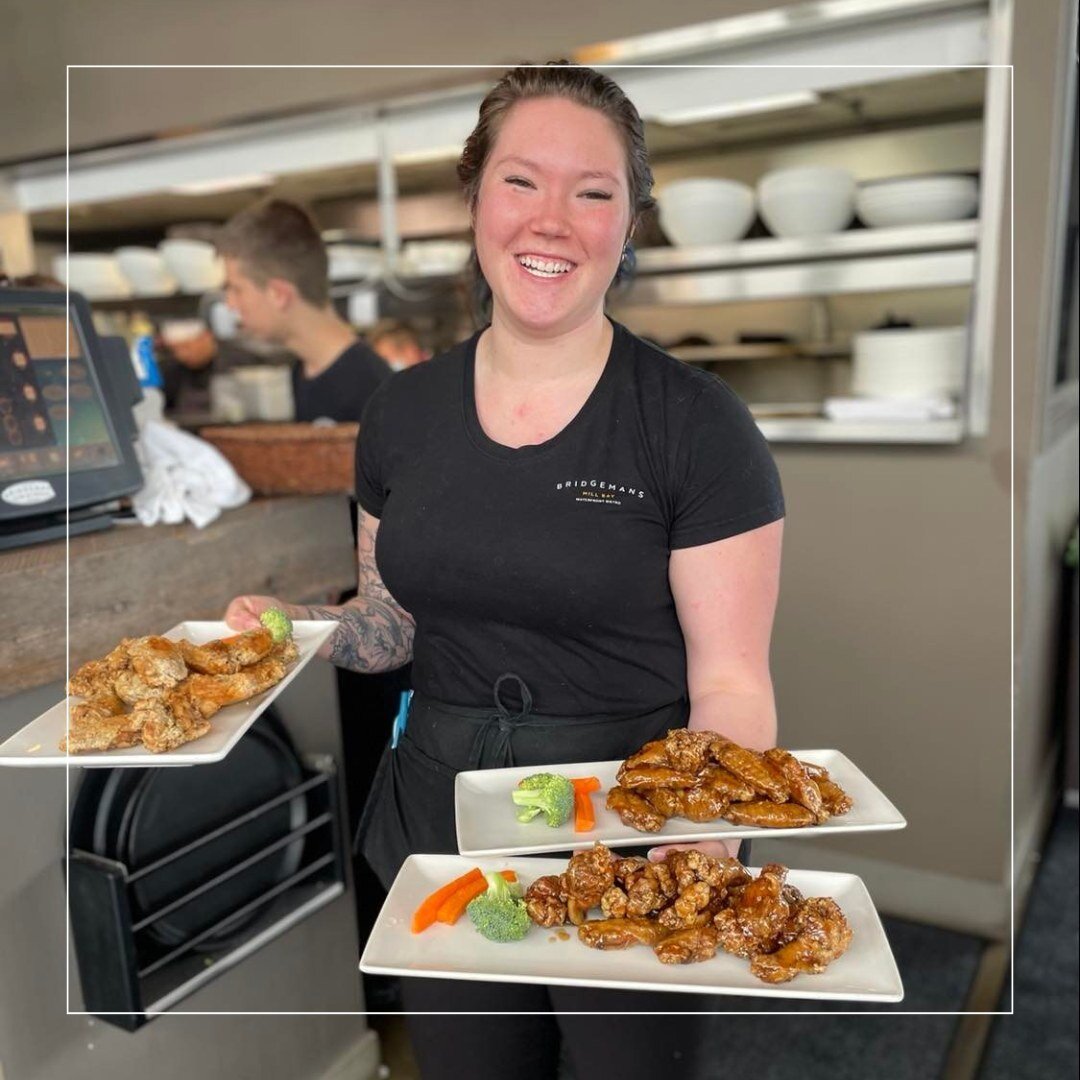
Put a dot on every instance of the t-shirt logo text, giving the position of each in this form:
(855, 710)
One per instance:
(600, 491)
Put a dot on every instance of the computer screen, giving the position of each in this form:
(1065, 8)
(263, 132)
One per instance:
(44, 409)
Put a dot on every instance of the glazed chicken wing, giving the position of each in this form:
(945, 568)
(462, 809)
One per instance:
(652, 753)
(821, 934)
(769, 815)
(757, 916)
(835, 799)
(656, 776)
(688, 751)
(802, 788)
(621, 933)
(588, 876)
(755, 770)
(688, 946)
(634, 810)
(545, 901)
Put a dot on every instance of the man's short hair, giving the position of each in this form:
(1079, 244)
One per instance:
(279, 239)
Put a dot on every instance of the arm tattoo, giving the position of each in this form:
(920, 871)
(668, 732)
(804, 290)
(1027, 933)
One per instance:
(374, 632)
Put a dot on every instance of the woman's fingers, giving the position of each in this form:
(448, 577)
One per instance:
(718, 849)
(243, 611)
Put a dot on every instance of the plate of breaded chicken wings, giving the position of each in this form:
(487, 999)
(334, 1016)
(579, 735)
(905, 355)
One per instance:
(184, 697)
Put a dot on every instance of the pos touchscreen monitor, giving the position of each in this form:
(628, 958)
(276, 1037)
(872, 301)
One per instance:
(66, 427)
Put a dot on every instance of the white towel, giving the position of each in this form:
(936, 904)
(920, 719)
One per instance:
(853, 408)
(184, 477)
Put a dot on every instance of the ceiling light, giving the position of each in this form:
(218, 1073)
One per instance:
(728, 109)
(226, 183)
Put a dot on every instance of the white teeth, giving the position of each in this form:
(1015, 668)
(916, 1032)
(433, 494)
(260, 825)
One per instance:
(544, 267)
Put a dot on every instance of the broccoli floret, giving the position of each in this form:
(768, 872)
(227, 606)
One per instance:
(278, 623)
(546, 793)
(500, 913)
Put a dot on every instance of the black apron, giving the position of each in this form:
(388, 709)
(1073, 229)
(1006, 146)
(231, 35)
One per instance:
(411, 804)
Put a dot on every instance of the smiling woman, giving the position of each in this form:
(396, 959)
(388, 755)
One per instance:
(556, 515)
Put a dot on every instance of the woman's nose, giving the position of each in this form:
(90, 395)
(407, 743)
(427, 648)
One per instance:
(550, 218)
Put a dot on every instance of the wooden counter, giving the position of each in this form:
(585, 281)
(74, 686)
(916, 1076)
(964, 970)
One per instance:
(132, 580)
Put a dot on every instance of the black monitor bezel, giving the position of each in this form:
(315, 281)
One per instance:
(107, 482)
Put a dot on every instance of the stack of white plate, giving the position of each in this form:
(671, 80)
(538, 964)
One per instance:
(811, 200)
(195, 264)
(704, 210)
(917, 200)
(909, 363)
(146, 270)
(97, 277)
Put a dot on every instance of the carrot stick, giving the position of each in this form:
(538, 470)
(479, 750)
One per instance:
(586, 784)
(584, 815)
(453, 907)
(425, 914)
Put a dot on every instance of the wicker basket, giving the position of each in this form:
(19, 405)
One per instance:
(290, 459)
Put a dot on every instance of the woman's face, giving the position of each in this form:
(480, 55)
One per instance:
(552, 215)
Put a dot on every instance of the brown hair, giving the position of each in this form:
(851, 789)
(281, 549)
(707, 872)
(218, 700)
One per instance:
(583, 86)
(279, 239)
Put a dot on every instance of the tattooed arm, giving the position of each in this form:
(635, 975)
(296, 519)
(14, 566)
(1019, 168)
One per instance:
(374, 632)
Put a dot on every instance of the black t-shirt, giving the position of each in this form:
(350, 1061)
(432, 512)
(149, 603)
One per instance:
(551, 561)
(342, 390)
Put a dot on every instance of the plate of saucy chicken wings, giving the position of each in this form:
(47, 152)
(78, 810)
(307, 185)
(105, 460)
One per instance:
(690, 923)
(686, 787)
(184, 697)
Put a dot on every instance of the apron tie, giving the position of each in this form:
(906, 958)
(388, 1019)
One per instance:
(493, 745)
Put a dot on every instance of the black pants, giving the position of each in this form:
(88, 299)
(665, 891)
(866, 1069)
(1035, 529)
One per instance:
(492, 1047)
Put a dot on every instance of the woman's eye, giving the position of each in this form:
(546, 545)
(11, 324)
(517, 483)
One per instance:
(596, 194)
(519, 181)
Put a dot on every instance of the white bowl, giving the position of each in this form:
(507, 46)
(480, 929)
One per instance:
(703, 210)
(434, 256)
(922, 362)
(195, 264)
(348, 261)
(97, 277)
(916, 200)
(810, 200)
(146, 270)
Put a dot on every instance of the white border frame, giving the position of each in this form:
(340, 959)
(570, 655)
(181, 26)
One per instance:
(998, 4)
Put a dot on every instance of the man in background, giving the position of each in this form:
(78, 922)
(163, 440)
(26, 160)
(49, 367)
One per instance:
(276, 281)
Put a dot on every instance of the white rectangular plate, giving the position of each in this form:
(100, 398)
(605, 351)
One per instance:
(39, 742)
(487, 825)
(866, 972)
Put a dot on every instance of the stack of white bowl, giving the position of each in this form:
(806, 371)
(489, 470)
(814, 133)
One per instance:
(96, 276)
(917, 200)
(810, 200)
(195, 264)
(353, 261)
(703, 210)
(146, 270)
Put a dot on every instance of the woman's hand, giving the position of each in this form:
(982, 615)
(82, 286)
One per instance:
(243, 611)
(718, 849)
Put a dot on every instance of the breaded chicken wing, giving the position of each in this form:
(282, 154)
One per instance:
(227, 655)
